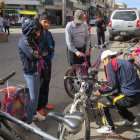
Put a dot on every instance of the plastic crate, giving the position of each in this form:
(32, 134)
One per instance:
(3, 37)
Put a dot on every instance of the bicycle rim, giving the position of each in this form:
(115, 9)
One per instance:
(83, 134)
(17, 107)
(72, 86)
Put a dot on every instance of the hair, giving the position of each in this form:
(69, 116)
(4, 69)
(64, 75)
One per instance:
(45, 16)
(111, 56)
(36, 27)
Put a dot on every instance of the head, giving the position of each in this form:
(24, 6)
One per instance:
(99, 18)
(32, 28)
(107, 56)
(78, 17)
(45, 20)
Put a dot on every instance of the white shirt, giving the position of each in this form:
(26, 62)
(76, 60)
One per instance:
(1, 21)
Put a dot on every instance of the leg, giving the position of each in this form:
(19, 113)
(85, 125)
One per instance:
(104, 104)
(44, 89)
(103, 37)
(99, 38)
(33, 82)
(8, 30)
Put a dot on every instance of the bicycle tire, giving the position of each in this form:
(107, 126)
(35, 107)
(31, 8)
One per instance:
(72, 86)
(126, 56)
(79, 135)
(17, 107)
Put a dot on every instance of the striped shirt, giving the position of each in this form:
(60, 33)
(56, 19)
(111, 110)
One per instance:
(76, 36)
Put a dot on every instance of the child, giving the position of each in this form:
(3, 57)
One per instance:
(46, 42)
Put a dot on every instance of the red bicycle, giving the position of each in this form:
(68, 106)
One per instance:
(15, 100)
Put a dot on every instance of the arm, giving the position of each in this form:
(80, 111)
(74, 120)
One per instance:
(69, 41)
(87, 40)
(112, 77)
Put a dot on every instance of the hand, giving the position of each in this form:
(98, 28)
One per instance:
(35, 52)
(79, 54)
(103, 25)
(98, 93)
(87, 53)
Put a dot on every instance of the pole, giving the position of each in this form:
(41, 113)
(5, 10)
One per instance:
(63, 13)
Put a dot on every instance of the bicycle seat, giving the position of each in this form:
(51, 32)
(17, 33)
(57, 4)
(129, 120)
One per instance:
(10, 89)
(72, 121)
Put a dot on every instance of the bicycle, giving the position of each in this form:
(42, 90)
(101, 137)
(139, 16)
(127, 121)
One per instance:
(129, 54)
(71, 85)
(72, 122)
(15, 100)
(82, 101)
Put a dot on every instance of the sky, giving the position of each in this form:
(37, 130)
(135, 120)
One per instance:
(130, 3)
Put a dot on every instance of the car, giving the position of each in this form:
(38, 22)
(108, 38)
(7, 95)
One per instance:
(124, 22)
(93, 20)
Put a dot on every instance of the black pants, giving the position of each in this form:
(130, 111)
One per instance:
(101, 35)
(7, 28)
(44, 89)
(121, 103)
(73, 59)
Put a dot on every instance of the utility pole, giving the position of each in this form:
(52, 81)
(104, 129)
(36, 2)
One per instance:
(63, 13)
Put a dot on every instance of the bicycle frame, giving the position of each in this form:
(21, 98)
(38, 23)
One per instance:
(6, 116)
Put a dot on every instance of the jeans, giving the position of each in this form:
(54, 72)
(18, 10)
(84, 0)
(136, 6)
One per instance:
(33, 82)
(1, 28)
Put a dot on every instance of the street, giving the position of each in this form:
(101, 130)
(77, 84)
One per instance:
(10, 60)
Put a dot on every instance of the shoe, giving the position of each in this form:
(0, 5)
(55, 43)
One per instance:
(39, 117)
(41, 112)
(129, 123)
(48, 106)
(105, 130)
(35, 126)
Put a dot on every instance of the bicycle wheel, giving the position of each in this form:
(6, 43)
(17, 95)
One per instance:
(137, 68)
(126, 56)
(83, 134)
(72, 86)
(17, 107)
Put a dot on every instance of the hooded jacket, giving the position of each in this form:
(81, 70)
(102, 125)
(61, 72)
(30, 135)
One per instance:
(26, 47)
(121, 75)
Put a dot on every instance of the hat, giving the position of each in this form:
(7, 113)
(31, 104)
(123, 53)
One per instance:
(107, 53)
(79, 16)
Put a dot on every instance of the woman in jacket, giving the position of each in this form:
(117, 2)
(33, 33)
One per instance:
(32, 65)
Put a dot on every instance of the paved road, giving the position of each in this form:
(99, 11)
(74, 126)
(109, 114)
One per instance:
(9, 60)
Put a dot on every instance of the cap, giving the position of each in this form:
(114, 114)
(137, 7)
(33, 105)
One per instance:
(107, 53)
(79, 16)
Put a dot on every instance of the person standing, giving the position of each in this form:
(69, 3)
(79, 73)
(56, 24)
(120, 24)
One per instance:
(1, 24)
(101, 26)
(7, 24)
(77, 39)
(32, 64)
(47, 43)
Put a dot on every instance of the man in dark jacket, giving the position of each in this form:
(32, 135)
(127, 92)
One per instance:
(121, 76)
(100, 24)
(47, 43)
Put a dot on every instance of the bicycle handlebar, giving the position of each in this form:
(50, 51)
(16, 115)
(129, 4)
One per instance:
(2, 81)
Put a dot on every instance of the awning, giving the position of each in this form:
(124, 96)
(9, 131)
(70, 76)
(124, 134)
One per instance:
(27, 12)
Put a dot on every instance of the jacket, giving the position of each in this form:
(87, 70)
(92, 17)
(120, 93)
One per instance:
(121, 75)
(47, 43)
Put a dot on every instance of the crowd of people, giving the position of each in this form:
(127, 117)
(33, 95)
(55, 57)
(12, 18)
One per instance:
(36, 49)
(4, 23)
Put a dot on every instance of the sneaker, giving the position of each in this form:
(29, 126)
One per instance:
(41, 112)
(105, 130)
(35, 126)
(48, 106)
(129, 123)
(39, 117)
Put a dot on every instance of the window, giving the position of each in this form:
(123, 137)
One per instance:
(125, 15)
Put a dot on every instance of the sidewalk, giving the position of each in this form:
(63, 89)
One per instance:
(124, 131)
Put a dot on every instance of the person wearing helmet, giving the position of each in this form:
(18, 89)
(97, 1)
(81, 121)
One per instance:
(122, 77)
